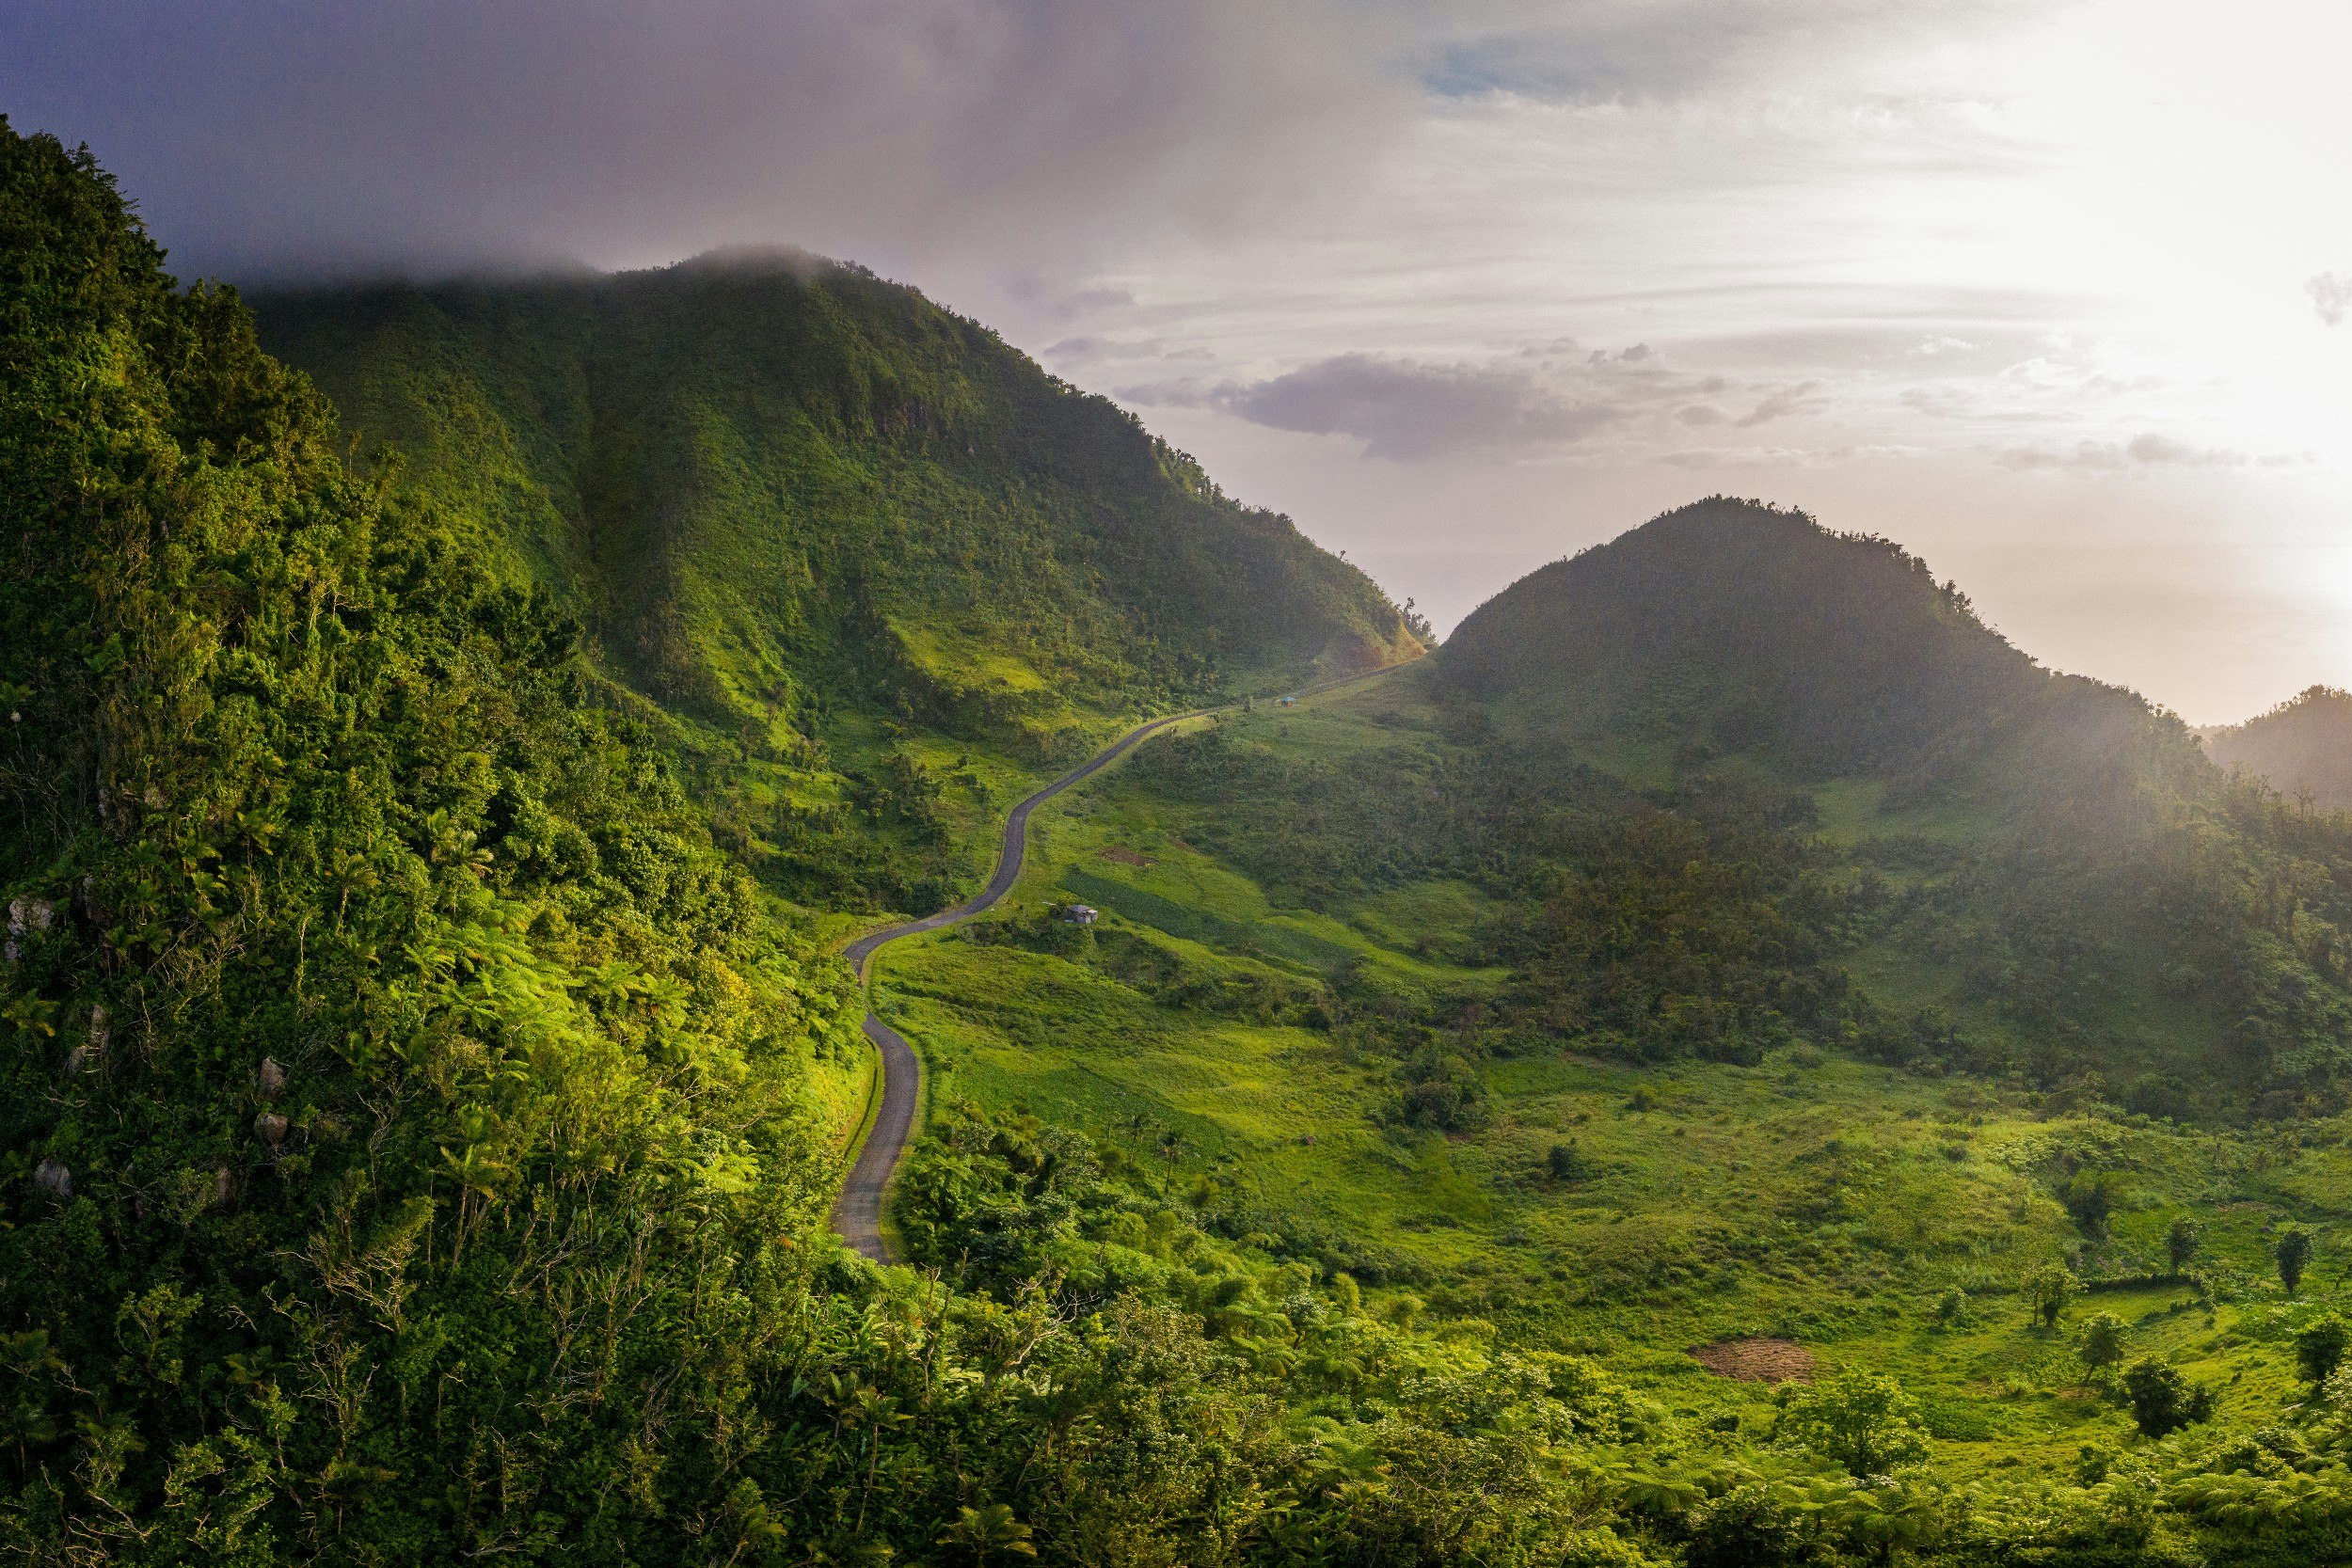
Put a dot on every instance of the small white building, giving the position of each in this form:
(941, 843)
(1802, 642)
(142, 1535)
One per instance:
(1078, 914)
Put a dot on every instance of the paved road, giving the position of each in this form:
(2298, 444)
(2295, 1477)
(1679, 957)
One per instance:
(857, 1217)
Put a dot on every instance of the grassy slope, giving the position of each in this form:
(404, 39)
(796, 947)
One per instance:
(1828, 1201)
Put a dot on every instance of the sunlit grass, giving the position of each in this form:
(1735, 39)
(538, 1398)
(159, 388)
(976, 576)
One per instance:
(1825, 1201)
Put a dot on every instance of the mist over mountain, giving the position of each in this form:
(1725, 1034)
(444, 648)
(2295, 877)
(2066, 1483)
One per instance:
(2303, 747)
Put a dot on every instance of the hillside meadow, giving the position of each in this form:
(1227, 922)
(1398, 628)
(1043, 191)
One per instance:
(1212, 1037)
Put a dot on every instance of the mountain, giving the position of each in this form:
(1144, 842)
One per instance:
(773, 483)
(2022, 868)
(2301, 746)
(813, 519)
(1735, 627)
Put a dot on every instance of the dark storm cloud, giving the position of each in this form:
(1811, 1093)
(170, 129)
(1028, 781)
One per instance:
(270, 136)
(262, 136)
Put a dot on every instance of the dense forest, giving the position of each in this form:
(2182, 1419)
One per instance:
(2054, 867)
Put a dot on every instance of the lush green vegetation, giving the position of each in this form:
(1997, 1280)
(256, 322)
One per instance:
(415, 1125)
(421, 1119)
(2019, 869)
(872, 569)
(1951, 1072)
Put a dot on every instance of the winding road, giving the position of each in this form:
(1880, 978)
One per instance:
(857, 1215)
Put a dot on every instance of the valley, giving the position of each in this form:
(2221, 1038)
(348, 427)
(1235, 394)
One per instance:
(1881, 1218)
(1725, 1062)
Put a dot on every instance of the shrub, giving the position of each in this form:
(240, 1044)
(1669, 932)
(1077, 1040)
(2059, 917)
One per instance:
(2292, 1255)
(2181, 1243)
(2319, 1348)
(2089, 1199)
(2162, 1399)
(1749, 1527)
(2047, 1290)
(1441, 1092)
(2101, 1343)
(2336, 1393)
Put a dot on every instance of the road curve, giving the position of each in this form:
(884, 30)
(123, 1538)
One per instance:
(857, 1216)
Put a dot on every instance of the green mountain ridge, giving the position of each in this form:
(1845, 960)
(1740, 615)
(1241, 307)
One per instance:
(840, 538)
(775, 483)
(2051, 864)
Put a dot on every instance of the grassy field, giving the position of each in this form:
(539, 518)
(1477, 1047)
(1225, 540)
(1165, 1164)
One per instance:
(1874, 1216)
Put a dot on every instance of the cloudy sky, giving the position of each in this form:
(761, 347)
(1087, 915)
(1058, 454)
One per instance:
(2053, 293)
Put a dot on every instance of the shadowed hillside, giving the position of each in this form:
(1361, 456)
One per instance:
(1730, 626)
(1852, 781)
(2301, 746)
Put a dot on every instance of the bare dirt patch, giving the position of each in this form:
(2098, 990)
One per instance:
(1125, 856)
(1756, 1360)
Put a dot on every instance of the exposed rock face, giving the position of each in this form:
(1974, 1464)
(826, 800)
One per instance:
(270, 1128)
(54, 1179)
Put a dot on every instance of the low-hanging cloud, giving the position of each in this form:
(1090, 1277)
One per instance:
(424, 134)
(272, 136)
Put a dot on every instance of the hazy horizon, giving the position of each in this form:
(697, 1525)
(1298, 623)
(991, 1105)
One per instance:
(2051, 294)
